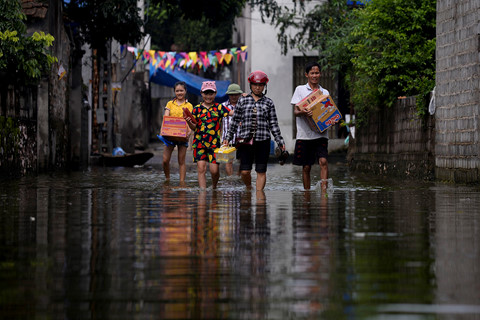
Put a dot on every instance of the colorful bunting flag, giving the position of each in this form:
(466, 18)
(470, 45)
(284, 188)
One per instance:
(193, 60)
(228, 57)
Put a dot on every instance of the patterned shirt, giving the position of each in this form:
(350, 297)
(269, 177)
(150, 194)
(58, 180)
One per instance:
(176, 110)
(266, 120)
(207, 133)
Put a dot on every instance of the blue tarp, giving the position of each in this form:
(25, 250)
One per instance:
(169, 77)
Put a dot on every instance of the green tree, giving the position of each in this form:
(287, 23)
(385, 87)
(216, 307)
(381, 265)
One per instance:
(384, 50)
(393, 53)
(192, 25)
(100, 21)
(24, 59)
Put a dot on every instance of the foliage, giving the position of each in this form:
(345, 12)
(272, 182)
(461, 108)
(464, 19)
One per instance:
(385, 50)
(23, 58)
(192, 25)
(393, 47)
(102, 20)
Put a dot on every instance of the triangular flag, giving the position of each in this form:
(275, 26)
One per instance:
(193, 56)
(228, 57)
(219, 56)
(204, 59)
(211, 57)
(146, 55)
(244, 48)
(243, 54)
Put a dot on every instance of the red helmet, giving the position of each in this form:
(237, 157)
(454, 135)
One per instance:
(258, 77)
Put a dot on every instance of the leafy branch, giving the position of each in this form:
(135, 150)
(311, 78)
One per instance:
(24, 58)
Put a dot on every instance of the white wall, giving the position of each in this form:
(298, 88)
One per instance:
(264, 53)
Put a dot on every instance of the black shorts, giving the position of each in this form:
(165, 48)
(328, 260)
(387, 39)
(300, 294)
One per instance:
(258, 152)
(308, 152)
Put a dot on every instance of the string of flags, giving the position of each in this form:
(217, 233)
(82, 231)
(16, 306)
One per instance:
(201, 59)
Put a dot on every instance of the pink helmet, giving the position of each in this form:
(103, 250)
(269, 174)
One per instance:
(258, 77)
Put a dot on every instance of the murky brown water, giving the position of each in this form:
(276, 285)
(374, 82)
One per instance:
(121, 243)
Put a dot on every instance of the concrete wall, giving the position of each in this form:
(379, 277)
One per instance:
(396, 143)
(458, 91)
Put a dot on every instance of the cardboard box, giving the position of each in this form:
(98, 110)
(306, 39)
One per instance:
(174, 128)
(325, 112)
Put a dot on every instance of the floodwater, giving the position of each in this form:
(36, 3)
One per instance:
(122, 243)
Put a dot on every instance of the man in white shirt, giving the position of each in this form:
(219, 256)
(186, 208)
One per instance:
(311, 146)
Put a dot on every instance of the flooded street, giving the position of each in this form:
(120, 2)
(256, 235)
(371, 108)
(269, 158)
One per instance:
(122, 243)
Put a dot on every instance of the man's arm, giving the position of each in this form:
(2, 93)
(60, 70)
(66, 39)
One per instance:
(299, 112)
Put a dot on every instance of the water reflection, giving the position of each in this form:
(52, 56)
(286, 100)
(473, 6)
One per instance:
(124, 244)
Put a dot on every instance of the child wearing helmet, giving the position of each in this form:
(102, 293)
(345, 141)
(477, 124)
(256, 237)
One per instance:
(206, 123)
(257, 116)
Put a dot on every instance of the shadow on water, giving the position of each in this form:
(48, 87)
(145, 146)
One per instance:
(122, 243)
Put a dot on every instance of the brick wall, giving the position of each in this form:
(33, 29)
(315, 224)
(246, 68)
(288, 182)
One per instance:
(457, 91)
(396, 142)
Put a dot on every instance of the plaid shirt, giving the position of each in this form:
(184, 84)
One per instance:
(267, 121)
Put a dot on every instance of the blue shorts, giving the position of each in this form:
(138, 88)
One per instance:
(171, 143)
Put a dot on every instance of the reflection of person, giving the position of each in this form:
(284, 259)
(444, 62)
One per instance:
(174, 108)
(258, 119)
(206, 137)
(311, 146)
(234, 91)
